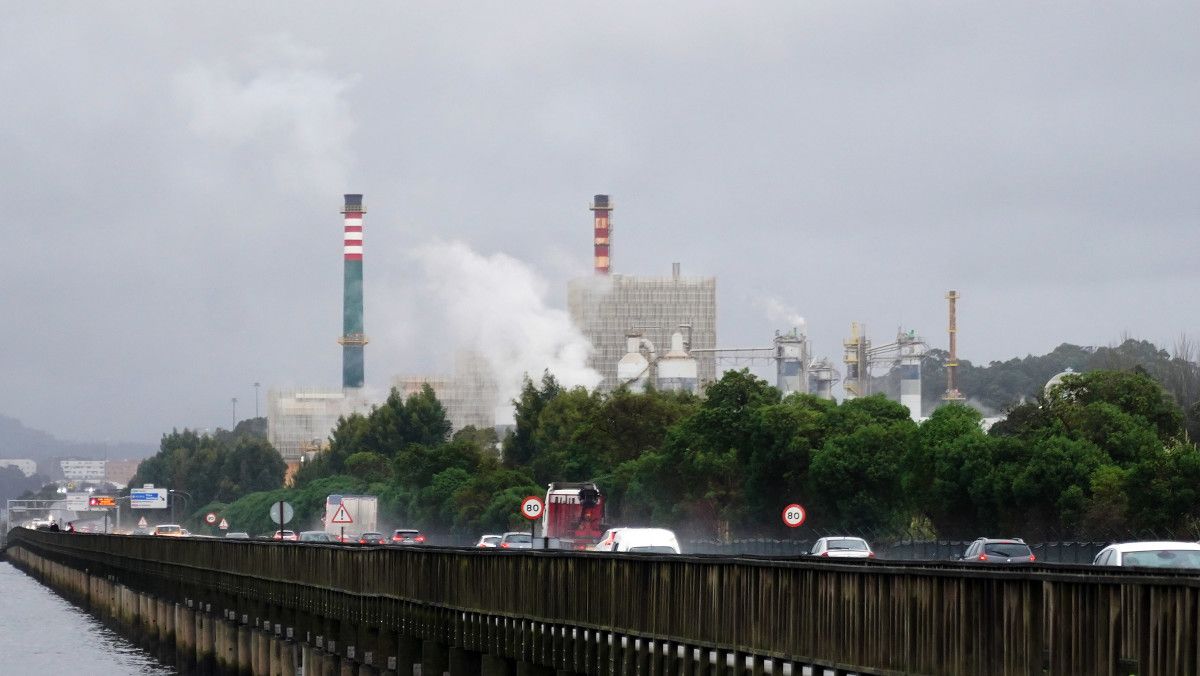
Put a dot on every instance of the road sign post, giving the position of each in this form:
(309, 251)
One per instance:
(532, 508)
(794, 515)
(342, 516)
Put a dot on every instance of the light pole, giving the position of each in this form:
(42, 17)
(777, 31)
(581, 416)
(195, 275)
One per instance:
(233, 418)
(256, 385)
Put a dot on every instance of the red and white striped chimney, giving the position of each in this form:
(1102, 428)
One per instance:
(601, 208)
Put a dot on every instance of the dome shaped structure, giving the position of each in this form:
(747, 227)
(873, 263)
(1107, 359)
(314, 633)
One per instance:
(1057, 379)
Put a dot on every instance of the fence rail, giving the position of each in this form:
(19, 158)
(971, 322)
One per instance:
(868, 616)
(901, 550)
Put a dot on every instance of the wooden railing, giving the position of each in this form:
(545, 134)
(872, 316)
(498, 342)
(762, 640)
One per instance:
(872, 617)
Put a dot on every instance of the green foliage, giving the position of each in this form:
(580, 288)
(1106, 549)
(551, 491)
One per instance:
(1106, 451)
(203, 468)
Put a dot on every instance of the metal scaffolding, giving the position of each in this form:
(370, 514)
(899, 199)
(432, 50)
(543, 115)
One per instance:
(607, 309)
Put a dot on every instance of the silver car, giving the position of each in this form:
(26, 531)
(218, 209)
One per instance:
(1150, 554)
(842, 547)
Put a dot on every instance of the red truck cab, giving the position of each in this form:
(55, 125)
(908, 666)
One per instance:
(574, 515)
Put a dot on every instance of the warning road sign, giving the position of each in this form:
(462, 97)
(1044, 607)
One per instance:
(224, 525)
(142, 522)
(341, 515)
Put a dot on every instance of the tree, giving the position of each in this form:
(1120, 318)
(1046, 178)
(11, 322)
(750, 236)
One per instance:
(519, 447)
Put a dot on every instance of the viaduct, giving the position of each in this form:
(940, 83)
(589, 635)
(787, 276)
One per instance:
(262, 608)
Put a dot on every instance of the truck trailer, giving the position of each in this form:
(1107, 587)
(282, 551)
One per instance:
(349, 516)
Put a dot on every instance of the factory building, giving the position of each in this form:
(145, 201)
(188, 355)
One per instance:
(470, 396)
(299, 421)
(82, 470)
(609, 309)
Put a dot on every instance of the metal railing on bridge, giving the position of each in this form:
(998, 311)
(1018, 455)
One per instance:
(879, 617)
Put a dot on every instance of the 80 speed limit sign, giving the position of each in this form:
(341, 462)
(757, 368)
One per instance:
(531, 508)
(793, 515)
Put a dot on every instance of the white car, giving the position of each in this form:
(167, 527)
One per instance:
(842, 547)
(644, 540)
(1150, 555)
(488, 541)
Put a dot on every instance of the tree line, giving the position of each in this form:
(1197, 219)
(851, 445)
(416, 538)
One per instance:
(1104, 453)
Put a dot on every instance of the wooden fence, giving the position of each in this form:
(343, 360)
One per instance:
(862, 616)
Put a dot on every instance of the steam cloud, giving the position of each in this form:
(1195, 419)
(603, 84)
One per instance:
(778, 311)
(284, 106)
(496, 306)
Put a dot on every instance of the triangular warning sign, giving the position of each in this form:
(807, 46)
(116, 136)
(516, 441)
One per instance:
(142, 522)
(224, 525)
(341, 515)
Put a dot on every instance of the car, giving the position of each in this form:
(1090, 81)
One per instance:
(372, 539)
(998, 550)
(516, 540)
(285, 535)
(237, 535)
(141, 531)
(488, 541)
(170, 530)
(842, 547)
(407, 536)
(1163, 554)
(638, 540)
(316, 536)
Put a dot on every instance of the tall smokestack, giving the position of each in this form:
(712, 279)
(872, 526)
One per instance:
(601, 210)
(353, 339)
(952, 393)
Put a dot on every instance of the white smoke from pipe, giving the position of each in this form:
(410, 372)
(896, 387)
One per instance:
(780, 312)
(495, 305)
(280, 103)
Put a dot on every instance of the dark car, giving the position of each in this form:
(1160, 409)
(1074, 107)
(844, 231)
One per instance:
(407, 536)
(371, 539)
(998, 550)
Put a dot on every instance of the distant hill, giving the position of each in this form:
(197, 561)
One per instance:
(999, 385)
(19, 441)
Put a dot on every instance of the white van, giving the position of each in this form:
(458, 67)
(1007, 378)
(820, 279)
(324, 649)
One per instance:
(644, 540)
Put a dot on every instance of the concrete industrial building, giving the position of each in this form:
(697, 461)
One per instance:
(471, 395)
(83, 470)
(299, 421)
(609, 309)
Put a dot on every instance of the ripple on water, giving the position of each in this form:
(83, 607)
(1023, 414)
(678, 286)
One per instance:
(42, 634)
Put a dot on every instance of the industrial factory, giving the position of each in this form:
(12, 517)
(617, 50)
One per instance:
(645, 331)
(299, 421)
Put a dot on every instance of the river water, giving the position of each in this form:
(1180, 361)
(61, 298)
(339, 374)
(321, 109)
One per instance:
(42, 634)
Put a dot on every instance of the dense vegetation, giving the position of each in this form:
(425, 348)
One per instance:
(1104, 453)
(1000, 385)
(220, 467)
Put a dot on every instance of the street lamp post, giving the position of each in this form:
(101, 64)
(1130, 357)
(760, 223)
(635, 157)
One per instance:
(256, 399)
(233, 418)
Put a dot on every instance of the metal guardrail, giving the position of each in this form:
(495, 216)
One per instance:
(866, 616)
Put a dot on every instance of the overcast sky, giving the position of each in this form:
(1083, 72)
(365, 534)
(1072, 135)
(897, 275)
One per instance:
(171, 175)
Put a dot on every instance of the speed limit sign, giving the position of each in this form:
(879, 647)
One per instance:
(793, 515)
(531, 508)
(210, 518)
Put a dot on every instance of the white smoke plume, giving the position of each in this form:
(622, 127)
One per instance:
(780, 312)
(495, 305)
(279, 103)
